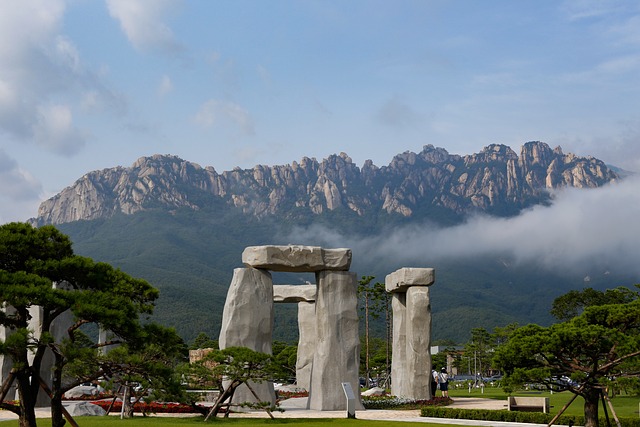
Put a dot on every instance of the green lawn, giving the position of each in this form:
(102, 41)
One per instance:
(235, 422)
(625, 406)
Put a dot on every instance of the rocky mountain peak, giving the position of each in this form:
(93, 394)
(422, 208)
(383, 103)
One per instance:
(496, 181)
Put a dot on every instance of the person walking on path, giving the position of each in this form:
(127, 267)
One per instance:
(443, 381)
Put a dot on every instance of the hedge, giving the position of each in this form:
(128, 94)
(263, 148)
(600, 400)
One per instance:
(515, 416)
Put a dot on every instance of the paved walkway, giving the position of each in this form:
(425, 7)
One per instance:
(296, 408)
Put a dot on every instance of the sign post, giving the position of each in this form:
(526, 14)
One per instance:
(351, 400)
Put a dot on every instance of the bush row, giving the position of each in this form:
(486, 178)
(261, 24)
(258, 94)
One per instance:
(515, 416)
(392, 402)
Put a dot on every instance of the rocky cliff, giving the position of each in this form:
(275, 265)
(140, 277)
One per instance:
(496, 181)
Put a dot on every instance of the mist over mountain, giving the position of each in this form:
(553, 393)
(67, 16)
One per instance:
(506, 233)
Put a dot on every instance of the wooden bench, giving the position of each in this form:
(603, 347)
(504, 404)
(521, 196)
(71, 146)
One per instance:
(528, 404)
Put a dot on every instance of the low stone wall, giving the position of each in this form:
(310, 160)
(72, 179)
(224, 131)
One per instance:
(528, 404)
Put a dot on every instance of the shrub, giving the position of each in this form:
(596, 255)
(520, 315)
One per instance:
(513, 416)
(393, 402)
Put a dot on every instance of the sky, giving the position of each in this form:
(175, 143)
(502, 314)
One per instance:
(91, 84)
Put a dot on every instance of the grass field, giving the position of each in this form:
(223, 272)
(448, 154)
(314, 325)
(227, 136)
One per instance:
(235, 422)
(625, 406)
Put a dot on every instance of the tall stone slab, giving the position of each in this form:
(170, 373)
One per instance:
(5, 361)
(418, 345)
(305, 297)
(247, 321)
(58, 329)
(411, 362)
(337, 356)
(308, 337)
(399, 345)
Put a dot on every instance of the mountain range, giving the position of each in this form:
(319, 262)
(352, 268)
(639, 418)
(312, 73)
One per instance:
(433, 182)
(183, 227)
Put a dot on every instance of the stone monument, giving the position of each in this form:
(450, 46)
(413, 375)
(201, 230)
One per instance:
(329, 328)
(411, 361)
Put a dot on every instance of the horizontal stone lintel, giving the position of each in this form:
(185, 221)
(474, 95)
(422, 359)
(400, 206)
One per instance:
(294, 293)
(403, 278)
(296, 258)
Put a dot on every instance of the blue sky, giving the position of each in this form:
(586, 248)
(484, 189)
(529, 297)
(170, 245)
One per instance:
(89, 84)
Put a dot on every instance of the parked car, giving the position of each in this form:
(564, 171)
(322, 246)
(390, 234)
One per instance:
(463, 378)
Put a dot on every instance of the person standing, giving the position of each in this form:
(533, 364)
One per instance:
(434, 382)
(443, 381)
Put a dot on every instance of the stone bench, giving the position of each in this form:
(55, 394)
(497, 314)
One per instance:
(528, 404)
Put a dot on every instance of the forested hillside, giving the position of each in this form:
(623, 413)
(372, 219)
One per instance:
(190, 256)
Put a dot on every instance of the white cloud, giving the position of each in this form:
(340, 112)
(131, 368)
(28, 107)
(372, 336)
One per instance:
(165, 86)
(627, 32)
(621, 149)
(55, 131)
(577, 10)
(43, 78)
(582, 229)
(609, 70)
(16, 184)
(28, 75)
(66, 54)
(214, 112)
(143, 23)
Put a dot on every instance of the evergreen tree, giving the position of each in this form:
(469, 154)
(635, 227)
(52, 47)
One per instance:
(40, 273)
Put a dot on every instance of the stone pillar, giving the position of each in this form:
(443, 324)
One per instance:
(418, 353)
(399, 344)
(104, 336)
(305, 297)
(5, 361)
(58, 329)
(247, 321)
(336, 351)
(411, 362)
(337, 356)
(306, 343)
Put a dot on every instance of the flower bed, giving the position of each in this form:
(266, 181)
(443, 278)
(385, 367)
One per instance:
(283, 395)
(154, 407)
(89, 397)
(392, 402)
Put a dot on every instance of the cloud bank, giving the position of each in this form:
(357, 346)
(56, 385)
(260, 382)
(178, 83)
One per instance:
(20, 189)
(582, 229)
(143, 23)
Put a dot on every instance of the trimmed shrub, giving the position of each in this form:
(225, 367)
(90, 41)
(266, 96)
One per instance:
(513, 416)
(393, 402)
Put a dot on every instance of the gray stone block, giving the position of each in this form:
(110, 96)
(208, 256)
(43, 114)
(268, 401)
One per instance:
(400, 280)
(84, 409)
(294, 293)
(295, 258)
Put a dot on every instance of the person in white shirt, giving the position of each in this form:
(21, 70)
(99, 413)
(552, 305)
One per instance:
(443, 381)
